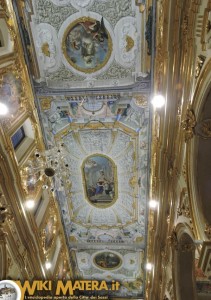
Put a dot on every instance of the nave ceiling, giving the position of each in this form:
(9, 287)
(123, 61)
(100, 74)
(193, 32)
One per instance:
(90, 69)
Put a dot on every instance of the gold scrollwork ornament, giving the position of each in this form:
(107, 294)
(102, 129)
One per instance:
(173, 240)
(199, 64)
(189, 124)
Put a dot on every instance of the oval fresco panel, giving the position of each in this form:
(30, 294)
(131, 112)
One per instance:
(107, 260)
(100, 182)
(87, 45)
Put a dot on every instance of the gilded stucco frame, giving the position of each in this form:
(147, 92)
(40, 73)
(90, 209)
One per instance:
(91, 70)
(115, 181)
(104, 268)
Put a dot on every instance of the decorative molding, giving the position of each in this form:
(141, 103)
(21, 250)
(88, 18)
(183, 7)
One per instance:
(92, 43)
(199, 64)
(47, 11)
(189, 124)
(5, 216)
(173, 240)
(180, 245)
(184, 208)
(141, 100)
(113, 11)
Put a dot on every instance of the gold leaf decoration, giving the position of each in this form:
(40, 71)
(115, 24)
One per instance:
(130, 43)
(45, 103)
(141, 100)
(189, 124)
(45, 49)
(133, 181)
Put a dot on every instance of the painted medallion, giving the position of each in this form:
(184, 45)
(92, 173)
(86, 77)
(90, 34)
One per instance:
(87, 44)
(107, 260)
(99, 179)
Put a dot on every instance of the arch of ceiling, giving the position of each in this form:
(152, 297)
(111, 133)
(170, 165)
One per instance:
(183, 258)
(199, 157)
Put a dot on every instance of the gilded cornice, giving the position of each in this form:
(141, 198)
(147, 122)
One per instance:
(22, 234)
(151, 281)
(200, 92)
(173, 77)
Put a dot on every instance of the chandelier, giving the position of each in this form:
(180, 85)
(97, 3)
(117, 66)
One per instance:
(50, 165)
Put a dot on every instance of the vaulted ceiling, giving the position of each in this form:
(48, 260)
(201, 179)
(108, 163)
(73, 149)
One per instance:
(90, 72)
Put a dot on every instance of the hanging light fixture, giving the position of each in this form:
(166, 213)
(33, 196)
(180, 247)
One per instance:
(53, 165)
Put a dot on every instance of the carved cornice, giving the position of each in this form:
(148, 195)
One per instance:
(18, 223)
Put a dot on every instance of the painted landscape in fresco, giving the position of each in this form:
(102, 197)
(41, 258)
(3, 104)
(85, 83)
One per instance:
(107, 260)
(99, 180)
(86, 45)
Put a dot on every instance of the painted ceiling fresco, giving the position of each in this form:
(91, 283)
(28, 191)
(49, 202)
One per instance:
(92, 91)
(104, 200)
(83, 43)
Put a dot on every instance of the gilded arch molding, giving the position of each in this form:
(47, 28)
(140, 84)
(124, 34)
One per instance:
(183, 255)
(202, 89)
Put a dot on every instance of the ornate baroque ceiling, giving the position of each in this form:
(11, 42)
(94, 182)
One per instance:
(86, 43)
(90, 70)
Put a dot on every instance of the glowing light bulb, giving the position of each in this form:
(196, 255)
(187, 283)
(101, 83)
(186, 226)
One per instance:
(48, 265)
(153, 204)
(30, 204)
(158, 101)
(149, 266)
(3, 109)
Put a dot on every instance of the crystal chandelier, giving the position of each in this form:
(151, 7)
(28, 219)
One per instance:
(52, 165)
